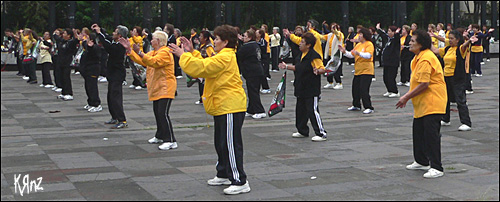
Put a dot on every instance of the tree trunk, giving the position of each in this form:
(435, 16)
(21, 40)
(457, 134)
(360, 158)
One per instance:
(71, 13)
(146, 11)
(164, 12)
(116, 12)
(95, 12)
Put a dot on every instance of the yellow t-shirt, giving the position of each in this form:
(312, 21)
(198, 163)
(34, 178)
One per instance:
(402, 41)
(317, 46)
(426, 68)
(267, 40)
(435, 41)
(316, 63)
(362, 65)
(450, 59)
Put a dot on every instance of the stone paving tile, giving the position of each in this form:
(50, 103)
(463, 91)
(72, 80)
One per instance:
(364, 158)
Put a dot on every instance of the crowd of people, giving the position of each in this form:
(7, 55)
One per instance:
(436, 64)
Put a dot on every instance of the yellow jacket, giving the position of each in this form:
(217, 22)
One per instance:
(27, 43)
(223, 93)
(160, 75)
(317, 46)
(136, 40)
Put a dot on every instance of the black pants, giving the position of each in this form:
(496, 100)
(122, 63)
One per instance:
(57, 72)
(265, 64)
(201, 87)
(264, 83)
(335, 76)
(47, 79)
(137, 82)
(457, 91)
(178, 71)
(30, 70)
(20, 67)
(67, 89)
(427, 140)
(468, 82)
(361, 91)
(390, 74)
(161, 109)
(92, 90)
(275, 52)
(229, 146)
(254, 102)
(307, 109)
(405, 71)
(115, 100)
(486, 49)
(475, 63)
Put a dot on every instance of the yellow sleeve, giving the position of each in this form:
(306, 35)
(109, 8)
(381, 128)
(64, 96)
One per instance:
(324, 37)
(178, 41)
(317, 63)
(195, 66)
(136, 58)
(295, 39)
(441, 52)
(160, 60)
(464, 53)
(423, 75)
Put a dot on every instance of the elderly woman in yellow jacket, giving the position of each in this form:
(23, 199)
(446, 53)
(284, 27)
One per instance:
(161, 85)
(223, 98)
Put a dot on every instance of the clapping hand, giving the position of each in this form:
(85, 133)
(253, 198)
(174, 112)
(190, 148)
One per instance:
(174, 49)
(125, 43)
(136, 48)
(186, 44)
(474, 39)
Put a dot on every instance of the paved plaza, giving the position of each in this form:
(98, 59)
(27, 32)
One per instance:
(77, 157)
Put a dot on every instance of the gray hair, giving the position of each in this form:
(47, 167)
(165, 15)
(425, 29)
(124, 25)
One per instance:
(122, 30)
(351, 29)
(162, 37)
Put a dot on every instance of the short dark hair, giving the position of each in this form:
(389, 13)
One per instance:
(227, 33)
(458, 36)
(8, 30)
(92, 36)
(366, 34)
(251, 34)
(69, 32)
(205, 34)
(476, 26)
(310, 39)
(139, 30)
(373, 29)
(393, 28)
(170, 29)
(423, 38)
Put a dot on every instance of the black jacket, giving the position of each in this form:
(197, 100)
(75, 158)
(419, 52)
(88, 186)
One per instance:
(248, 56)
(66, 50)
(91, 60)
(295, 51)
(306, 83)
(115, 68)
(459, 75)
(406, 54)
(391, 51)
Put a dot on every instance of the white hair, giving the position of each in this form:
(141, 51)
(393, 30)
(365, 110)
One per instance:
(162, 37)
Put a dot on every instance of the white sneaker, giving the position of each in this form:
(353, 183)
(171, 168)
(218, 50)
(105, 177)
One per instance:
(67, 97)
(168, 145)
(218, 181)
(237, 189)
(198, 102)
(341, 77)
(259, 116)
(77, 73)
(482, 63)
(338, 86)
(374, 79)
(179, 77)
(55, 87)
(445, 123)
(26, 78)
(368, 111)
(417, 166)
(386, 94)
(464, 127)
(318, 138)
(87, 107)
(353, 108)
(58, 90)
(433, 173)
(469, 92)
(276, 70)
(353, 71)
(131, 86)
(49, 86)
(269, 79)
(41, 85)
(479, 75)
(453, 104)
(265, 91)
(138, 87)
(298, 135)
(328, 85)
(407, 84)
(248, 115)
(155, 140)
(124, 83)
(104, 79)
(487, 60)
(72, 71)
(292, 81)
(393, 95)
(400, 83)
(61, 96)
(95, 109)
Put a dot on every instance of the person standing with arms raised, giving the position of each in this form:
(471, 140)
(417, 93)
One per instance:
(225, 99)
(115, 74)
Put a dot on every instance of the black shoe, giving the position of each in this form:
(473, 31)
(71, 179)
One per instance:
(111, 121)
(33, 82)
(120, 125)
(191, 82)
